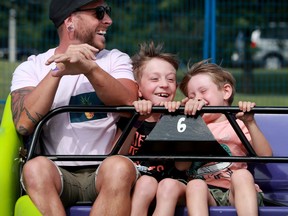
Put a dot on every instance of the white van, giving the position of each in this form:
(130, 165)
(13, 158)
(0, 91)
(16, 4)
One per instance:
(269, 46)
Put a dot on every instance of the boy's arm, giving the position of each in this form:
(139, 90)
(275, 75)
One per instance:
(144, 108)
(258, 141)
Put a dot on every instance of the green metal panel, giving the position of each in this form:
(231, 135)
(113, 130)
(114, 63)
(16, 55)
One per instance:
(25, 207)
(10, 143)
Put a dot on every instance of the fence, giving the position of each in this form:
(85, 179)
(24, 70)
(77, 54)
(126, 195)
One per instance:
(194, 29)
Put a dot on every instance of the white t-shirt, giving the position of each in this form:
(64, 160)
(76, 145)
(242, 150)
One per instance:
(75, 133)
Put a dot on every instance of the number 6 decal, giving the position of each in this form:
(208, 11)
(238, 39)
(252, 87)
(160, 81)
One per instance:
(181, 127)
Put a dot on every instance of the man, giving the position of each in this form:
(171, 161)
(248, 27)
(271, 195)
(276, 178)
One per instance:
(79, 71)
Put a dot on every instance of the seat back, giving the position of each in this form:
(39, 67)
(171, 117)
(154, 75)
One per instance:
(273, 177)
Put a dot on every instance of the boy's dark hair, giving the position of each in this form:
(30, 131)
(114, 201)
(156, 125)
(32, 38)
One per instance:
(148, 52)
(218, 75)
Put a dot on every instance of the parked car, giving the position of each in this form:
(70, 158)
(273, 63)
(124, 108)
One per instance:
(268, 46)
(21, 53)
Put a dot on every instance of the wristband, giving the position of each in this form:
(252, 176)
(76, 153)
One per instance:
(54, 66)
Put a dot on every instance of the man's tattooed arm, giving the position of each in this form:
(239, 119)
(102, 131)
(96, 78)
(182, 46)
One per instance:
(18, 109)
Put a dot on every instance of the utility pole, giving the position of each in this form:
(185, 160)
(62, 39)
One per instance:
(12, 43)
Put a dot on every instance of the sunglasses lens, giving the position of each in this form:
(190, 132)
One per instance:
(100, 12)
(108, 10)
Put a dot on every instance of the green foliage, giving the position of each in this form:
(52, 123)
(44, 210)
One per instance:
(179, 25)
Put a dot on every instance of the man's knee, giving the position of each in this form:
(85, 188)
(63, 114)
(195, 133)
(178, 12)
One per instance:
(117, 168)
(35, 166)
(37, 171)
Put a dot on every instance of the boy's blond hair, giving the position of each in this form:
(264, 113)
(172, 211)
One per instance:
(148, 52)
(218, 75)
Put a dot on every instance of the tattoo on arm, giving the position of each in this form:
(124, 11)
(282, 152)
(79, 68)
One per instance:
(17, 103)
(18, 98)
(35, 121)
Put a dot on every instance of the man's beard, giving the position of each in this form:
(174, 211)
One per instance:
(86, 37)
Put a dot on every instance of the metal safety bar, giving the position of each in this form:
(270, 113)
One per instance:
(228, 111)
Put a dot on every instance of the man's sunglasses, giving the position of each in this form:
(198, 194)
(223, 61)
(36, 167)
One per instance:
(99, 11)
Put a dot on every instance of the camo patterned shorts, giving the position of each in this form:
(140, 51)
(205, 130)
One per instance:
(221, 196)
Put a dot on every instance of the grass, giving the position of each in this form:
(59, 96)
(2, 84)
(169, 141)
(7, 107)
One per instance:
(268, 86)
(6, 72)
(263, 100)
(7, 69)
